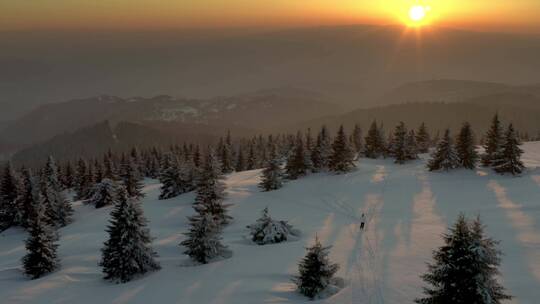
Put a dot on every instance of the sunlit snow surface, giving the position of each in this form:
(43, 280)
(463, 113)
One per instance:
(407, 209)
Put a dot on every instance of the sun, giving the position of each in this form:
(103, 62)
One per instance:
(417, 13)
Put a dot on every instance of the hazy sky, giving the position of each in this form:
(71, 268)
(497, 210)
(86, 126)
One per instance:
(505, 15)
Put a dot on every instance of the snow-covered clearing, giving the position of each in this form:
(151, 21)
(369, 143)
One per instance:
(407, 209)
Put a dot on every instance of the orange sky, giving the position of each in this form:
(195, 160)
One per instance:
(500, 15)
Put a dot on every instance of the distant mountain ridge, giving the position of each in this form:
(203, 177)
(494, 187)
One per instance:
(257, 111)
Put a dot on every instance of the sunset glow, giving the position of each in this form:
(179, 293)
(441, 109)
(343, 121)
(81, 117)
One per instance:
(521, 15)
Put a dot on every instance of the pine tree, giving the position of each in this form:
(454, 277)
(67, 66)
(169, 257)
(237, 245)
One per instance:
(342, 159)
(374, 146)
(398, 145)
(83, 180)
(268, 231)
(272, 175)
(226, 157)
(176, 179)
(315, 271)
(309, 151)
(68, 177)
(211, 190)
(357, 139)
(41, 257)
(422, 139)
(252, 160)
(296, 163)
(322, 151)
(492, 143)
(412, 146)
(57, 208)
(509, 158)
(8, 197)
(131, 181)
(203, 241)
(466, 148)
(27, 199)
(128, 252)
(465, 268)
(240, 161)
(445, 156)
(104, 193)
(109, 168)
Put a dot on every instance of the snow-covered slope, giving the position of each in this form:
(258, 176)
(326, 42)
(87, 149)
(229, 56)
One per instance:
(407, 208)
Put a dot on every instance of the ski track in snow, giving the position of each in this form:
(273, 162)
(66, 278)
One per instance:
(407, 210)
(522, 223)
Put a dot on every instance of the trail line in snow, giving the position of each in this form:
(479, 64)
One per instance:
(522, 223)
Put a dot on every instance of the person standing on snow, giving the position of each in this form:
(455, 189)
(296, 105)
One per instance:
(362, 221)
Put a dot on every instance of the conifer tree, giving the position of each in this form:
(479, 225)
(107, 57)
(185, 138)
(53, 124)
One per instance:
(272, 175)
(342, 159)
(492, 143)
(412, 146)
(27, 198)
(226, 157)
(374, 146)
(83, 180)
(269, 231)
(357, 139)
(422, 139)
(240, 161)
(509, 158)
(398, 145)
(57, 208)
(104, 193)
(109, 168)
(128, 252)
(252, 158)
(177, 178)
(203, 241)
(322, 151)
(465, 268)
(131, 181)
(68, 177)
(296, 163)
(309, 151)
(445, 156)
(315, 271)
(41, 257)
(211, 190)
(466, 148)
(8, 197)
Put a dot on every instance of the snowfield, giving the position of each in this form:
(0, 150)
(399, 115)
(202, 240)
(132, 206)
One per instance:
(408, 208)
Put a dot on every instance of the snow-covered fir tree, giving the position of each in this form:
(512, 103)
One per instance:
(310, 146)
(422, 139)
(211, 190)
(27, 198)
(509, 160)
(68, 176)
(128, 252)
(465, 268)
(342, 159)
(8, 196)
(466, 147)
(357, 139)
(322, 151)
(171, 178)
(297, 165)
(131, 179)
(315, 271)
(269, 231)
(226, 156)
(104, 193)
(445, 156)
(41, 257)
(374, 142)
(83, 180)
(109, 167)
(57, 208)
(272, 175)
(203, 241)
(412, 146)
(398, 146)
(252, 159)
(493, 141)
